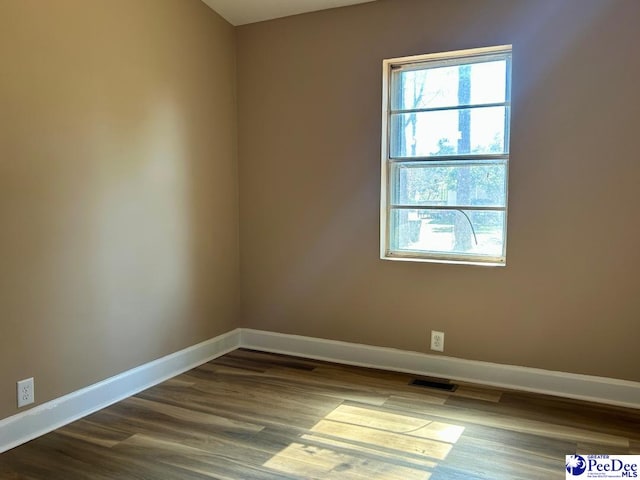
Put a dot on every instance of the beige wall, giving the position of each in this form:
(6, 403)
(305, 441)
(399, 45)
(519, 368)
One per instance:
(118, 185)
(118, 196)
(309, 90)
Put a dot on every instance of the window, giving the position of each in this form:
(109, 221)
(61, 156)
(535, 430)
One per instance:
(445, 156)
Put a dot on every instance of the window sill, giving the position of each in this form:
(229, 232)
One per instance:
(454, 261)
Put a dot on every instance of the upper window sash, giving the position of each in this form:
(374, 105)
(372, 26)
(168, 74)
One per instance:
(421, 92)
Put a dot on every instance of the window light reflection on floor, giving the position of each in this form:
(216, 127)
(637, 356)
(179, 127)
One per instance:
(362, 443)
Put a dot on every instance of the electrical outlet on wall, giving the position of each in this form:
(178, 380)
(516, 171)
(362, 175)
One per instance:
(26, 394)
(437, 341)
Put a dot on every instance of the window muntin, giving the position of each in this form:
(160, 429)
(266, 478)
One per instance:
(446, 122)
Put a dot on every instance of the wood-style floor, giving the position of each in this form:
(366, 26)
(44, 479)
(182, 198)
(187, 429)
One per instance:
(251, 415)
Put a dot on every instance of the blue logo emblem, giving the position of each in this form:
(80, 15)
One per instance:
(576, 465)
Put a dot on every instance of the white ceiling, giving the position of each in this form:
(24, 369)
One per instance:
(241, 12)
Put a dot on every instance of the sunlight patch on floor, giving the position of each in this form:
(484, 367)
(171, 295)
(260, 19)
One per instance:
(361, 443)
(393, 422)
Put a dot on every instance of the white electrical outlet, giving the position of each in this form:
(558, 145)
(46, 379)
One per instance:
(26, 395)
(437, 341)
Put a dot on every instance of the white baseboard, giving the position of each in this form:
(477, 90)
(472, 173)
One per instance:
(30, 424)
(569, 385)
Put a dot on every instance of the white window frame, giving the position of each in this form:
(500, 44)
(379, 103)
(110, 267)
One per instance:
(456, 57)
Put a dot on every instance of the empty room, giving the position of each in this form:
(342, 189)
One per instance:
(319, 239)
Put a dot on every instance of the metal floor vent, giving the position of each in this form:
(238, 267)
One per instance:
(444, 385)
